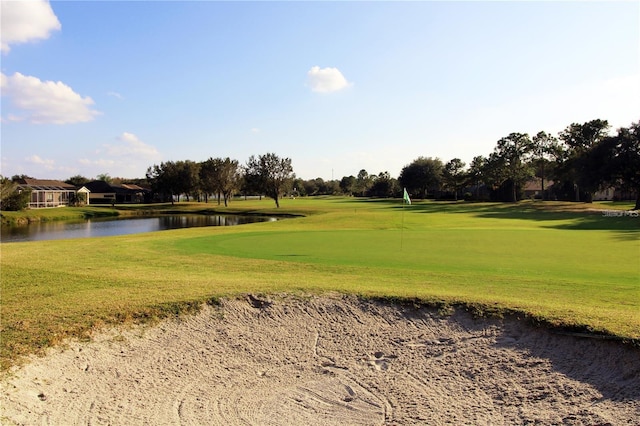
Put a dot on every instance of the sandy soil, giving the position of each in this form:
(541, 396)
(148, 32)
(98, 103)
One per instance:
(328, 361)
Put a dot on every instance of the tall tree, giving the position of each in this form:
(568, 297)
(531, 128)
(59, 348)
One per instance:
(332, 187)
(209, 178)
(454, 176)
(312, 186)
(164, 180)
(252, 180)
(512, 150)
(229, 178)
(582, 136)
(576, 166)
(363, 182)
(424, 174)
(544, 150)
(475, 173)
(188, 177)
(495, 174)
(269, 174)
(347, 184)
(383, 186)
(626, 163)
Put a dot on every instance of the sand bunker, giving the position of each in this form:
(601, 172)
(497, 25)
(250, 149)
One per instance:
(328, 361)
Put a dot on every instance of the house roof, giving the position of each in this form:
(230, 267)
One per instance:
(99, 186)
(535, 184)
(133, 187)
(45, 184)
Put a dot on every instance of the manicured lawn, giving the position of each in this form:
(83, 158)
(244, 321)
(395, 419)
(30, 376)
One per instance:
(558, 262)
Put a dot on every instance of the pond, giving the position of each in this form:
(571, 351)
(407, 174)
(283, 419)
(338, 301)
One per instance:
(105, 227)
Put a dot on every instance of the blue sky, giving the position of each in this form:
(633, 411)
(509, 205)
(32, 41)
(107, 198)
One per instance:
(115, 87)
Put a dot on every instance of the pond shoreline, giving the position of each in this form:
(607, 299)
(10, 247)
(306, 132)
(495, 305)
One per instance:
(109, 226)
(26, 217)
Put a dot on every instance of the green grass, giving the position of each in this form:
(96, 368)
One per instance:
(556, 262)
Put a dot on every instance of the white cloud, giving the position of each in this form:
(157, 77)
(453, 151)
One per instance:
(13, 117)
(25, 21)
(98, 162)
(255, 130)
(127, 156)
(47, 101)
(131, 146)
(326, 80)
(36, 159)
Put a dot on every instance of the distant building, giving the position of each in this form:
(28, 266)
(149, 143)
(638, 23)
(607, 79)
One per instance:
(55, 193)
(48, 193)
(605, 194)
(83, 195)
(102, 192)
(131, 193)
(615, 194)
(533, 188)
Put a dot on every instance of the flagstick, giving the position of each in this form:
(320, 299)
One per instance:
(405, 200)
(402, 226)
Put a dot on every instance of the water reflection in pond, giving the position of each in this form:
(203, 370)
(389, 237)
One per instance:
(109, 227)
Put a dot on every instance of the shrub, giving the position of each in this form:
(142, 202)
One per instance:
(15, 201)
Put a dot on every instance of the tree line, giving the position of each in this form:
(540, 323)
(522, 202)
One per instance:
(571, 166)
(266, 174)
(221, 178)
(578, 161)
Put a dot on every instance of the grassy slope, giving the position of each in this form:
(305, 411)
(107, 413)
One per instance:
(566, 267)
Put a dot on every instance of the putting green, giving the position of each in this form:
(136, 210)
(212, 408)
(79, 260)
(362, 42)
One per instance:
(534, 254)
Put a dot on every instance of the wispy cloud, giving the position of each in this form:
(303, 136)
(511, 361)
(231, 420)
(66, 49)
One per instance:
(96, 162)
(25, 21)
(126, 156)
(128, 144)
(36, 159)
(46, 101)
(115, 95)
(13, 117)
(326, 80)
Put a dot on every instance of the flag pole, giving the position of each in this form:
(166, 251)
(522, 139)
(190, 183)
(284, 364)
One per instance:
(405, 200)
(402, 226)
